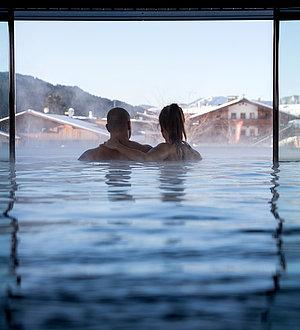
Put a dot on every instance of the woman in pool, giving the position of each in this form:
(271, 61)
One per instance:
(171, 120)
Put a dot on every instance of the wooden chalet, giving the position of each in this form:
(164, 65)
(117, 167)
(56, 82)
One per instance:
(237, 121)
(33, 125)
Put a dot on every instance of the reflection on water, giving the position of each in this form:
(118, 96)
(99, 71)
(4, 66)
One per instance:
(13, 223)
(118, 180)
(172, 181)
(276, 277)
(88, 256)
(9, 243)
(278, 234)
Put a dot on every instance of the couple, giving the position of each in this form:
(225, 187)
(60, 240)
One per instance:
(119, 146)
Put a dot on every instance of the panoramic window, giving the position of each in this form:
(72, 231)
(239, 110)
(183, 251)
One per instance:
(130, 242)
(69, 74)
(289, 127)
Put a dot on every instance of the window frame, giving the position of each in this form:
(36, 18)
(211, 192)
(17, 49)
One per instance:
(209, 11)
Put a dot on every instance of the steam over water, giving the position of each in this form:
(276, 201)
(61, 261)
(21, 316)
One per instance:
(126, 245)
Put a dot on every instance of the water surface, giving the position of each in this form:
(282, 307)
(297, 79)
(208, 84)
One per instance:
(209, 245)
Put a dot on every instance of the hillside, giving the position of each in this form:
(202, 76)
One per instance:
(34, 93)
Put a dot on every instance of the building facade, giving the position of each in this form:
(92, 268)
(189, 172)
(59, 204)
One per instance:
(34, 126)
(237, 121)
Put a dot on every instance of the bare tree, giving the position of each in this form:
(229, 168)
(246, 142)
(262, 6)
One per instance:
(206, 128)
(55, 103)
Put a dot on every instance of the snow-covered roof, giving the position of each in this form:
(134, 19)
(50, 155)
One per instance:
(133, 120)
(6, 135)
(84, 118)
(295, 123)
(147, 115)
(62, 119)
(154, 109)
(198, 111)
(211, 100)
(291, 109)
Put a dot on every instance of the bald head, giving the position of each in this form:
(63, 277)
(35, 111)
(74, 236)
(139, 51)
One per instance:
(118, 119)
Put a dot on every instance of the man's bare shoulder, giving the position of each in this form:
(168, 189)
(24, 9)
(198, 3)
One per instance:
(138, 146)
(89, 155)
(101, 153)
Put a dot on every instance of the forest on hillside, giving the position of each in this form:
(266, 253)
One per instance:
(36, 94)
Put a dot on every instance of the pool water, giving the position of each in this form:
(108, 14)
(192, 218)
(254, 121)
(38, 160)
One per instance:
(126, 245)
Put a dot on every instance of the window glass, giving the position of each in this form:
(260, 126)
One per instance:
(289, 107)
(4, 85)
(70, 74)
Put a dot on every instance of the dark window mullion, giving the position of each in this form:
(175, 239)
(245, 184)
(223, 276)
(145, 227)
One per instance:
(12, 88)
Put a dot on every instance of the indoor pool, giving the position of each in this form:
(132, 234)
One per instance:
(126, 245)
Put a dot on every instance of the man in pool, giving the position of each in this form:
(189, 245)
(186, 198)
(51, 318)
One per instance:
(119, 127)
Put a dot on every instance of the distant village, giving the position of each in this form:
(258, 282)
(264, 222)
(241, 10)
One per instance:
(236, 121)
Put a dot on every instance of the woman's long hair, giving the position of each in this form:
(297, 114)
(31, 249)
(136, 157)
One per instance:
(171, 119)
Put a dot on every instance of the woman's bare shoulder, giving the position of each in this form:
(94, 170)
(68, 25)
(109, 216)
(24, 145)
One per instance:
(192, 153)
(163, 147)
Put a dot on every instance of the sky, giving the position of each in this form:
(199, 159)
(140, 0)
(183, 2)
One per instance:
(155, 62)
(3, 46)
(289, 75)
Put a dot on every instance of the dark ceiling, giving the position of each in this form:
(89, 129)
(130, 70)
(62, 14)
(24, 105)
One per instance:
(147, 10)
